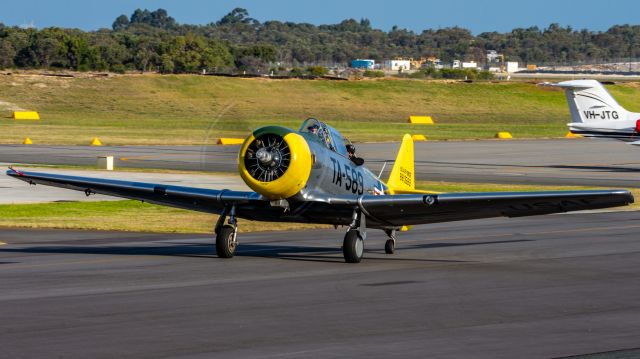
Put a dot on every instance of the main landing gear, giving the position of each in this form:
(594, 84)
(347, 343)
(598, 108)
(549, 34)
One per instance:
(226, 242)
(353, 245)
(390, 244)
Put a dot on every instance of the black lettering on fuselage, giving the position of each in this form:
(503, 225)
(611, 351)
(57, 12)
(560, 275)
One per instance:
(601, 115)
(334, 162)
(353, 177)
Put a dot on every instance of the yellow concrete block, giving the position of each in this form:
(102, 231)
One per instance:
(230, 141)
(418, 137)
(422, 120)
(26, 115)
(27, 141)
(572, 135)
(503, 135)
(405, 228)
(96, 142)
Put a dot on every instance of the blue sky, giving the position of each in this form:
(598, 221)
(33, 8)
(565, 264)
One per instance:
(478, 16)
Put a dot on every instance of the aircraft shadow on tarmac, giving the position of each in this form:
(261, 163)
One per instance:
(300, 253)
(597, 168)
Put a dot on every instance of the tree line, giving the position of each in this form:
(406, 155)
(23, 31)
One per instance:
(154, 41)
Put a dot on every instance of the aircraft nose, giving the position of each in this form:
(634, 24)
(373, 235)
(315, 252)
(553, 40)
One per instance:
(264, 156)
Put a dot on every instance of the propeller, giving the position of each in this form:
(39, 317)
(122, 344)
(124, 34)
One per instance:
(214, 157)
(267, 157)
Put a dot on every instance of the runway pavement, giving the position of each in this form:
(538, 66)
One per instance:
(536, 287)
(551, 162)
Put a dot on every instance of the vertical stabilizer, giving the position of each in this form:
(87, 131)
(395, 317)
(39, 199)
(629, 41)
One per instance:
(402, 178)
(595, 113)
(589, 101)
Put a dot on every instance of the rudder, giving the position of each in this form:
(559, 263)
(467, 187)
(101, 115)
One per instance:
(402, 177)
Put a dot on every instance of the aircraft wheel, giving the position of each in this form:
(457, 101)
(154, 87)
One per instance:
(225, 242)
(390, 246)
(353, 247)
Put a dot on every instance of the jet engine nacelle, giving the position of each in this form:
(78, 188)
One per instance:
(275, 161)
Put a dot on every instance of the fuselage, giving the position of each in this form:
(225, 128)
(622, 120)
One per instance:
(621, 129)
(302, 172)
(334, 174)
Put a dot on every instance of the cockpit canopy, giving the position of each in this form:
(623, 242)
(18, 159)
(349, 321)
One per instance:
(325, 134)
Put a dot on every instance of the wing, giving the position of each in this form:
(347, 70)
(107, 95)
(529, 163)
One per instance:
(198, 199)
(381, 211)
(399, 210)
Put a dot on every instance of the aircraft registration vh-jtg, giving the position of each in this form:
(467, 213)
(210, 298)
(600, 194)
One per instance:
(314, 176)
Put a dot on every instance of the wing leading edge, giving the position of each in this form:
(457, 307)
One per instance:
(198, 199)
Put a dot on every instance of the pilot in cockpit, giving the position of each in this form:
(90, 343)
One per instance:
(351, 152)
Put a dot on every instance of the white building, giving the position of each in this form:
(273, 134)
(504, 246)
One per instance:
(397, 65)
(456, 64)
(512, 66)
(469, 65)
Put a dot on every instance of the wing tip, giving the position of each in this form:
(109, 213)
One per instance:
(14, 172)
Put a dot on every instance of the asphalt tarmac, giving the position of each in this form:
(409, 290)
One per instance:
(583, 162)
(535, 287)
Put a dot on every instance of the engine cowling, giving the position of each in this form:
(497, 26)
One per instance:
(275, 161)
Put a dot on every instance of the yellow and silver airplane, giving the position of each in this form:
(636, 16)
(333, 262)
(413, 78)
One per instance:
(314, 176)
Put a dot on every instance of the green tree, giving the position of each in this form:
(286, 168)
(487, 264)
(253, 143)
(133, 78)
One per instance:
(7, 53)
(236, 16)
(166, 64)
(120, 23)
(48, 50)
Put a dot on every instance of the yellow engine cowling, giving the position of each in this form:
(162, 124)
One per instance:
(275, 162)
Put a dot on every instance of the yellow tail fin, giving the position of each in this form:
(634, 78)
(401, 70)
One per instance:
(402, 178)
(402, 174)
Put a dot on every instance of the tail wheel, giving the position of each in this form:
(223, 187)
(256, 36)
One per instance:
(226, 242)
(353, 247)
(390, 246)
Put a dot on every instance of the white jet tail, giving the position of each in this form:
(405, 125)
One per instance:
(595, 113)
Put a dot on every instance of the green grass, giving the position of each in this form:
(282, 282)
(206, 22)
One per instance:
(179, 109)
(116, 215)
